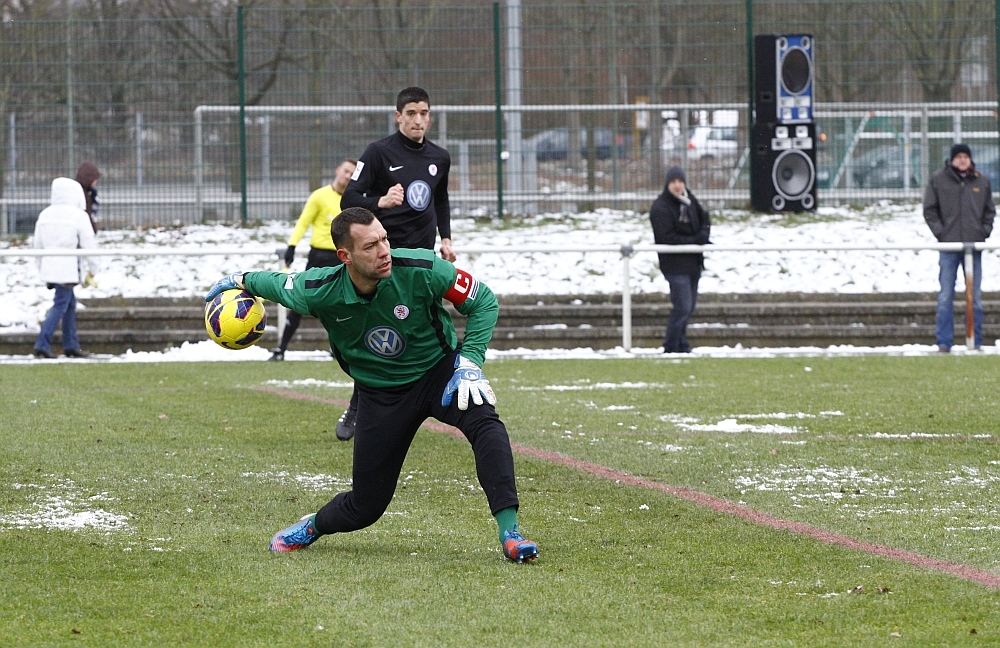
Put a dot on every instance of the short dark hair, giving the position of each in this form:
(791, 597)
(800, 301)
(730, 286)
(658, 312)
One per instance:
(413, 94)
(350, 161)
(340, 229)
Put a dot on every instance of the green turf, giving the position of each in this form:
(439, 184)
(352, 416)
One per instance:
(206, 470)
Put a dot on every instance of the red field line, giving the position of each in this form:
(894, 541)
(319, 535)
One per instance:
(715, 503)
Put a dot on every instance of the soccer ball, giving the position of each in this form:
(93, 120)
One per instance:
(235, 319)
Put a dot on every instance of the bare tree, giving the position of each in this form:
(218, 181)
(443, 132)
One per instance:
(205, 30)
(932, 34)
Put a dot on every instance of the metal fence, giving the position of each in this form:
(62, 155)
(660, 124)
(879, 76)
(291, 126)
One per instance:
(196, 110)
(626, 252)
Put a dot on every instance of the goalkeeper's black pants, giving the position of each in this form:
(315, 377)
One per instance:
(388, 419)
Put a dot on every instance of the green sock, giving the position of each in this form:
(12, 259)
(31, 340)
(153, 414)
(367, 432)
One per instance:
(312, 523)
(506, 520)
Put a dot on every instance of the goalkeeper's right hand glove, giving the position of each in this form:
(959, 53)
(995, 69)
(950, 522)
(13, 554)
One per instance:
(289, 255)
(228, 282)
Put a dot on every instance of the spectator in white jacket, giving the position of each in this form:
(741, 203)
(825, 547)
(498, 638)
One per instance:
(63, 225)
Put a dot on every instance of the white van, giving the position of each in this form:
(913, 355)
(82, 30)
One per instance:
(712, 142)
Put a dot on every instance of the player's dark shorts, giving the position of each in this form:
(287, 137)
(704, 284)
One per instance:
(320, 258)
(387, 422)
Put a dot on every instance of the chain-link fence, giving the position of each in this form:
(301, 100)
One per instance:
(597, 99)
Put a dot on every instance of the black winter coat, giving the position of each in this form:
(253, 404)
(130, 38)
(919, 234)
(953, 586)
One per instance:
(957, 209)
(675, 223)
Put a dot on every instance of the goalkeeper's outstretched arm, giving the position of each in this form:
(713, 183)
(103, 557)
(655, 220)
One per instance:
(475, 300)
(279, 287)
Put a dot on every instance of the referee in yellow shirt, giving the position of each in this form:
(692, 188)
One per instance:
(320, 210)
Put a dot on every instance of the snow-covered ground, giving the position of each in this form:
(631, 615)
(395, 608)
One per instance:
(26, 299)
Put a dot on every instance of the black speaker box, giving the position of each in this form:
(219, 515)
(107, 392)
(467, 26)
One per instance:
(783, 167)
(783, 78)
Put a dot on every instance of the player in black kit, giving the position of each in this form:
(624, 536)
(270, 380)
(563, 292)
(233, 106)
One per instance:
(403, 180)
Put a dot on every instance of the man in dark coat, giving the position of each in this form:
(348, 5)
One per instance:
(679, 219)
(958, 207)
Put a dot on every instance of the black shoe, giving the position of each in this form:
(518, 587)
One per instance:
(345, 426)
(44, 354)
(75, 353)
(277, 356)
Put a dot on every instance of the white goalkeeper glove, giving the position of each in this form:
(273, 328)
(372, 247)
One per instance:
(468, 378)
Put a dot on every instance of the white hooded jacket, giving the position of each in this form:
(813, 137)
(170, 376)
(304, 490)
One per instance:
(64, 224)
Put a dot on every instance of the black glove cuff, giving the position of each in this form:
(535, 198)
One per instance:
(290, 255)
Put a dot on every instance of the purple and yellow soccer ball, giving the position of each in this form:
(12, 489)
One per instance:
(235, 319)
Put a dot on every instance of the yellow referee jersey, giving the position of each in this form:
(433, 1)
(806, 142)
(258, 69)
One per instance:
(321, 208)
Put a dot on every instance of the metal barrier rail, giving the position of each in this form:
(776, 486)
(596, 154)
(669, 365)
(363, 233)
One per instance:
(626, 252)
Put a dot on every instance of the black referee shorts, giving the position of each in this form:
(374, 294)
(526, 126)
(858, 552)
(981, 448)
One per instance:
(387, 421)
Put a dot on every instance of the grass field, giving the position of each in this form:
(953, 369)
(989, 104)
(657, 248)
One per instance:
(138, 501)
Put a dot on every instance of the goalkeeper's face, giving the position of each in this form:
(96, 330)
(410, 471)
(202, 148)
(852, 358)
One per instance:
(369, 255)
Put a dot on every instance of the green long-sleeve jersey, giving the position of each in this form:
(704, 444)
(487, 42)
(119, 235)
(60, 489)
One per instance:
(395, 337)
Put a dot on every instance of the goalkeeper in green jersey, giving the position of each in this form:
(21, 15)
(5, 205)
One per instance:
(390, 331)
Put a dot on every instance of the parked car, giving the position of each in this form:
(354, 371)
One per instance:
(987, 161)
(553, 144)
(883, 168)
(712, 142)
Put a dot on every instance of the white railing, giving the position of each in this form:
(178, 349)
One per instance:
(626, 252)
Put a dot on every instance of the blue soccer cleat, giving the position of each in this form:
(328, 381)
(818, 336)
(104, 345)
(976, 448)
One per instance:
(298, 536)
(516, 548)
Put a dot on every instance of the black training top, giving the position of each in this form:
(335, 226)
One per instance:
(422, 170)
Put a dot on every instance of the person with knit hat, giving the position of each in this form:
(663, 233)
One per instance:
(958, 208)
(679, 219)
(87, 175)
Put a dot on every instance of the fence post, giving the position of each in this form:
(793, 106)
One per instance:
(138, 149)
(685, 127)
(243, 115)
(199, 161)
(925, 145)
(750, 88)
(70, 125)
(996, 49)
(907, 148)
(515, 148)
(12, 151)
(626, 252)
(499, 113)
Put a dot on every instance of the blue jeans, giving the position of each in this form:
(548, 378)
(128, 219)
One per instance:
(64, 308)
(683, 297)
(945, 328)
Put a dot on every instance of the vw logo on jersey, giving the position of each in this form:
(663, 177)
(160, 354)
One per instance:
(385, 341)
(418, 194)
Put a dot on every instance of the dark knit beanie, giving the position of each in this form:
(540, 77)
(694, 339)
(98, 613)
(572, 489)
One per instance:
(960, 148)
(676, 173)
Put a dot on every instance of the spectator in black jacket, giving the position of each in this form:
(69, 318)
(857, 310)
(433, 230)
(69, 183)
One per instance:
(958, 207)
(679, 219)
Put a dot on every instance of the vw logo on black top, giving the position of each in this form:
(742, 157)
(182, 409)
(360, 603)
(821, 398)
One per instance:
(418, 194)
(385, 341)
